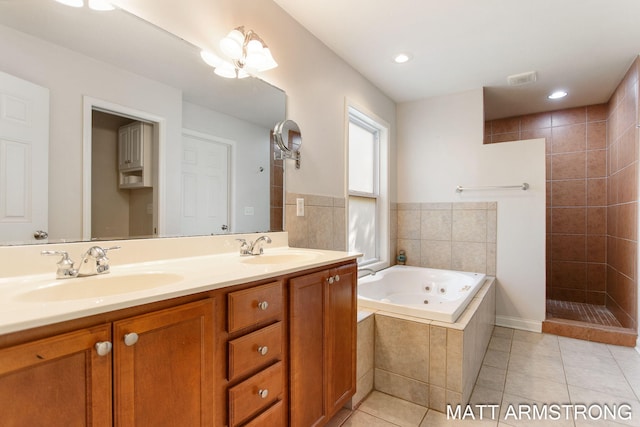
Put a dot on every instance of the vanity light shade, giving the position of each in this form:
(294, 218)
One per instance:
(226, 69)
(211, 58)
(269, 62)
(73, 3)
(231, 45)
(101, 5)
(255, 56)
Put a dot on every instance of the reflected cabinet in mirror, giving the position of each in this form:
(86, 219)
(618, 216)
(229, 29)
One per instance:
(114, 128)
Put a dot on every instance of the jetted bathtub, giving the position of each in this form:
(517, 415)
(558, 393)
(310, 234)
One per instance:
(421, 292)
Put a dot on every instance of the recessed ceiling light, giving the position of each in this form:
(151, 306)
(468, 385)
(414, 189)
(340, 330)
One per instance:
(557, 94)
(401, 58)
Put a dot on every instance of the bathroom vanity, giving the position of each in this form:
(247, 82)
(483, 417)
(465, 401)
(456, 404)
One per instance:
(262, 341)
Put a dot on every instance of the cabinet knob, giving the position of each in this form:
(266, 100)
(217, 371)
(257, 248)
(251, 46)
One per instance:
(263, 393)
(330, 280)
(103, 348)
(130, 339)
(263, 305)
(337, 277)
(263, 350)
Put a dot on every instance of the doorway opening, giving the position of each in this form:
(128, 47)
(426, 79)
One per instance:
(121, 172)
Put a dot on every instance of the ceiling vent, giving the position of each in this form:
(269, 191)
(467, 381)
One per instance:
(522, 78)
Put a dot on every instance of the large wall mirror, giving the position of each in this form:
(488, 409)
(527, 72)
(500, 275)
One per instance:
(103, 77)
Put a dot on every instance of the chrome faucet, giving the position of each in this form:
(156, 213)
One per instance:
(253, 248)
(94, 261)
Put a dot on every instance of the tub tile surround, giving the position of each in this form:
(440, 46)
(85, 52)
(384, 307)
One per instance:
(452, 236)
(429, 363)
(524, 368)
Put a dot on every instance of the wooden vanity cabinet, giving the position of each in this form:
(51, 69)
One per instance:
(159, 372)
(163, 367)
(57, 381)
(322, 324)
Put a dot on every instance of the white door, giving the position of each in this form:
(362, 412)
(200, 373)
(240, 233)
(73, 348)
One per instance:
(24, 161)
(205, 184)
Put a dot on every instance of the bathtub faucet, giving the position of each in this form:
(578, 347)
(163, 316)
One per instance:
(371, 271)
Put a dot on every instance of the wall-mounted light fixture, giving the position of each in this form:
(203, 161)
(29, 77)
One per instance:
(101, 5)
(247, 52)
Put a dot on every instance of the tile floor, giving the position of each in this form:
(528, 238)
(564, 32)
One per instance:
(523, 369)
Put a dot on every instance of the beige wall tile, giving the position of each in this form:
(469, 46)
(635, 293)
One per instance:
(364, 386)
(400, 386)
(436, 224)
(436, 206)
(469, 225)
(339, 229)
(320, 226)
(454, 359)
(402, 347)
(412, 249)
(408, 224)
(492, 255)
(437, 398)
(438, 357)
(365, 348)
(469, 257)
(492, 226)
(436, 254)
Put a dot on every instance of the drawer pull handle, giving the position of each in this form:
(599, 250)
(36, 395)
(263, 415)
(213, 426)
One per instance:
(130, 339)
(263, 305)
(103, 348)
(263, 393)
(263, 350)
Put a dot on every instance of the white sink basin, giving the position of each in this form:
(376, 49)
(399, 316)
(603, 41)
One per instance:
(98, 286)
(279, 258)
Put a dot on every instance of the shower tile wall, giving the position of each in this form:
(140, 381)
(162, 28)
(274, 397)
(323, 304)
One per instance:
(622, 245)
(576, 196)
(592, 197)
(455, 236)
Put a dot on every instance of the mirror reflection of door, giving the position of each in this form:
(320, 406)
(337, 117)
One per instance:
(121, 182)
(205, 184)
(24, 160)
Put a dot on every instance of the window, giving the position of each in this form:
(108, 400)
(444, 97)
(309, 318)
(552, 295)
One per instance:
(367, 201)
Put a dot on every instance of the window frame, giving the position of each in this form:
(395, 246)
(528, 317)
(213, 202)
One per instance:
(380, 128)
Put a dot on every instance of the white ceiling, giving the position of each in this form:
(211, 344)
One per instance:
(581, 46)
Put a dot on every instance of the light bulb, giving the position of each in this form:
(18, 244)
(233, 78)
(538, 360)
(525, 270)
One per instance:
(73, 3)
(232, 44)
(101, 5)
(557, 94)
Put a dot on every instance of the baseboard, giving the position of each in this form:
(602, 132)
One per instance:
(519, 323)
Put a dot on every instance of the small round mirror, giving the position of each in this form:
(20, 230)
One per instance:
(287, 135)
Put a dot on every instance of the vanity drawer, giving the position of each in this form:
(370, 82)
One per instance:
(255, 350)
(272, 417)
(254, 305)
(255, 394)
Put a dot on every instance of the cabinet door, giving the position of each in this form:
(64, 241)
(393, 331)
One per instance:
(124, 148)
(341, 327)
(58, 381)
(163, 367)
(136, 142)
(307, 361)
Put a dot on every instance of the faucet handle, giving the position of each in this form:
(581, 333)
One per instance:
(65, 265)
(244, 246)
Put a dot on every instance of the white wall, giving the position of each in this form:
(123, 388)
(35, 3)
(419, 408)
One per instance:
(251, 152)
(317, 82)
(440, 147)
(48, 65)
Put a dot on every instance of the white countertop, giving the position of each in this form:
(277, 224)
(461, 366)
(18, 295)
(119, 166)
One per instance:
(35, 300)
